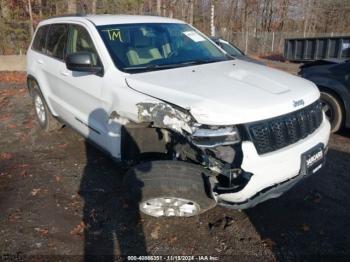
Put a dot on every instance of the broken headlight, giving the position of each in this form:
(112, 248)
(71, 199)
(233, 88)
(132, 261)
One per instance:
(215, 136)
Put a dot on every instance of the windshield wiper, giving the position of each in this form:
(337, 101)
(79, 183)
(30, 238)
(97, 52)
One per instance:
(198, 62)
(139, 67)
(202, 61)
(148, 67)
(167, 66)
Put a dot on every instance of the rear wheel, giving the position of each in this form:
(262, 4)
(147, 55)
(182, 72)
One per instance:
(168, 188)
(45, 119)
(333, 110)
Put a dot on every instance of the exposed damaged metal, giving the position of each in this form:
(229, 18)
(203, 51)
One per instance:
(212, 147)
(165, 116)
(216, 148)
(114, 116)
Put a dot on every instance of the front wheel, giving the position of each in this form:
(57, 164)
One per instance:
(333, 110)
(168, 188)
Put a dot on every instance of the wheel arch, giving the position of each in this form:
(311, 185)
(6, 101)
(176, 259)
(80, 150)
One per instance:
(338, 94)
(31, 80)
(30, 84)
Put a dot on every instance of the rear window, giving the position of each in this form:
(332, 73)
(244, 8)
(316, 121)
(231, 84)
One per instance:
(40, 39)
(57, 40)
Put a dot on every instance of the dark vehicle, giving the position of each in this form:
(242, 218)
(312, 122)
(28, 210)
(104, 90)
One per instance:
(234, 51)
(332, 77)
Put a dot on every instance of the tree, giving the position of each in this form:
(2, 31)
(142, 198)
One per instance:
(233, 19)
(31, 26)
(72, 6)
(172, 4)
(5, 10)
(159, 5)
(190, 12)
(39, 7)
(93, 6)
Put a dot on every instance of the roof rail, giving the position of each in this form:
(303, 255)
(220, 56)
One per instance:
(68, 15)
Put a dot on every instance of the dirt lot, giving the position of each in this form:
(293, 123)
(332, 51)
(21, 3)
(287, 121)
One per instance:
(60, 196)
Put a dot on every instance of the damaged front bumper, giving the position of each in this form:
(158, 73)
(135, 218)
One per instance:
(272, 174)
(242, 177)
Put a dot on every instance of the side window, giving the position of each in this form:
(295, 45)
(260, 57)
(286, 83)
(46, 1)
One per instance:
(57, 40)
(80, 41)
(40, 39)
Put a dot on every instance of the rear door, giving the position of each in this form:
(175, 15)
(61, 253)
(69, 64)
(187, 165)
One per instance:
(52, 62)
(81, 91)
(37, 62)
(36, 55)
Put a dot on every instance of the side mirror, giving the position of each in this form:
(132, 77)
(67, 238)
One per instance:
(82, 62)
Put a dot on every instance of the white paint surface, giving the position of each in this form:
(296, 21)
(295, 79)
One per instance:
(225, 93)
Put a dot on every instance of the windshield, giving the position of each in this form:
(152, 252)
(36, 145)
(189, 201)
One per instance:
(230, 49)
(144, 47)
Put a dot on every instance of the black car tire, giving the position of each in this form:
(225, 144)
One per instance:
(333, 110)
(150, 182)
(45, 119)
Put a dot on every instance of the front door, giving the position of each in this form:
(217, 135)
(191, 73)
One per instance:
(81, 91)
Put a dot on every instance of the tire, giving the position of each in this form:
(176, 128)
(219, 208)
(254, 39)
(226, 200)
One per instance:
(333, 110)
(44, 117)
(170, 188)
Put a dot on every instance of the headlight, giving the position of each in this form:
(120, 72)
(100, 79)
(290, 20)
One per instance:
(215, 136)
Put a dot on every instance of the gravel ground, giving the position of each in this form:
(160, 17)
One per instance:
(60, 196)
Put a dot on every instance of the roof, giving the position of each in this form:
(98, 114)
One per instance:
(113, 19)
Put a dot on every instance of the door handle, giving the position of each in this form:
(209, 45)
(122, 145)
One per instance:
(64, 73)
(40, 61)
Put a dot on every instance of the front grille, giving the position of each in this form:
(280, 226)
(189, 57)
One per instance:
(275, 133)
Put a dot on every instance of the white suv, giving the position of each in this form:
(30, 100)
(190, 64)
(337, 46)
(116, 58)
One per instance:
(201, 127)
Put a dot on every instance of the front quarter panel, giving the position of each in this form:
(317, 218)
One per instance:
(333, 85)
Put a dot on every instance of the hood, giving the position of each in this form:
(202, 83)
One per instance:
(229, 92)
